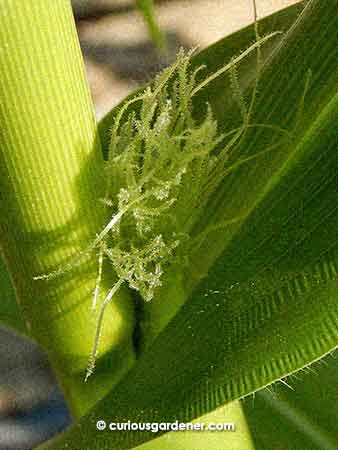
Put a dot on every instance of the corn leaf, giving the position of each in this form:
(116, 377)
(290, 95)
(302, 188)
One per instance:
(301, 414)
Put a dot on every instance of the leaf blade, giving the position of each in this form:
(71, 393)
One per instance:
(302, 416)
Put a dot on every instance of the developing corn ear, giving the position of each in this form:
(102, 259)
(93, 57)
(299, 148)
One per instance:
(160, 166)
(162, 169)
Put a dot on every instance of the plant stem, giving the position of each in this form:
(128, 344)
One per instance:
(51, 169)
(156, 34)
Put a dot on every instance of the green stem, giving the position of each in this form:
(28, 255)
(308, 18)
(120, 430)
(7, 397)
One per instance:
(51, 169)
(157, 36)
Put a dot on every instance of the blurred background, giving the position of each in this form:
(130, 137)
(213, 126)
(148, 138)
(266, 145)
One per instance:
(122, 49)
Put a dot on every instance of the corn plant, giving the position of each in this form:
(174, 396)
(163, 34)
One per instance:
(179, 255)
